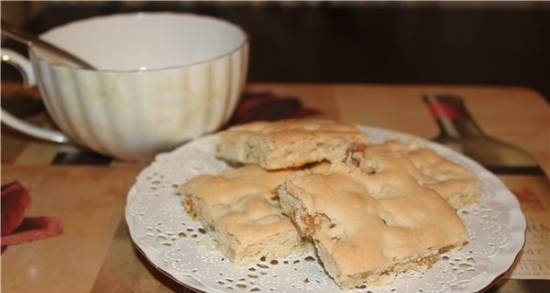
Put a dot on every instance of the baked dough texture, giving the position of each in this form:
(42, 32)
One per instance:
(287, 143)
(368, 226)
(240, 209)
(371, 211)
(452, 181)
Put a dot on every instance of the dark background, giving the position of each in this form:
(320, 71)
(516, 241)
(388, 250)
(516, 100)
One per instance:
(389, 43)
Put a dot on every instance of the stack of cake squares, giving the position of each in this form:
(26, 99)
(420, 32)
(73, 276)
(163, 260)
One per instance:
(369, 211)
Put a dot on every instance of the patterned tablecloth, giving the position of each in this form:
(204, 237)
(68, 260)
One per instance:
(88, 191)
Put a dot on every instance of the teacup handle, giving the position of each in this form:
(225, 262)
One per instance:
(24, 67)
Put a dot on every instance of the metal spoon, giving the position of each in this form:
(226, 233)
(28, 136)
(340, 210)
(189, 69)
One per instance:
(31, 40)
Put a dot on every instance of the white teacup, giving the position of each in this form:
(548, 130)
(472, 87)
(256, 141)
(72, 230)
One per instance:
(162, 79)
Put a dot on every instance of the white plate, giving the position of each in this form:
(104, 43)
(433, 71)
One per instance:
(175, 244)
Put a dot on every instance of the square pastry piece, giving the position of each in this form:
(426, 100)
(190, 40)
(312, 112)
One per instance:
(367, 227)
(287, 144)
(239, 208)
(454, 183)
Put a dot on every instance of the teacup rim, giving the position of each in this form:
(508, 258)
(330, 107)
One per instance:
(243, 44)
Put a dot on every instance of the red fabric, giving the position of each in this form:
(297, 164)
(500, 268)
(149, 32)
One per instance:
(447, 110)
(17, 229)
(15, 201)
(268, 107)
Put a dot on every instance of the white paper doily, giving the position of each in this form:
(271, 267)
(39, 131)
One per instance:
(178, 246)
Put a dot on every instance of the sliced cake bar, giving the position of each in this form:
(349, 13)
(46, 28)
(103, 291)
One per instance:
(239, 208)
(367, 227)
(288, 143)
(453, 182)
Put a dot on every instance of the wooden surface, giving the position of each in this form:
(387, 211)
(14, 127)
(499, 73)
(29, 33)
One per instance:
(95, 254)
(90, 203)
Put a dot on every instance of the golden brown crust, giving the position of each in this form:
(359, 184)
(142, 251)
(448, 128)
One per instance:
(374, 211)
(454, 183)
(288, 143)
(366, 224)
(238, 209)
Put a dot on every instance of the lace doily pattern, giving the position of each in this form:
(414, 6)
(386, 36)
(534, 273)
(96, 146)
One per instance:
(180, 247)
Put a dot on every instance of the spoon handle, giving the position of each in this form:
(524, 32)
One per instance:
(31, 40)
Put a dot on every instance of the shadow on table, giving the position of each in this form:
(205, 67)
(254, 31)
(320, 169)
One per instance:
(126, 269)
(167, 281)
